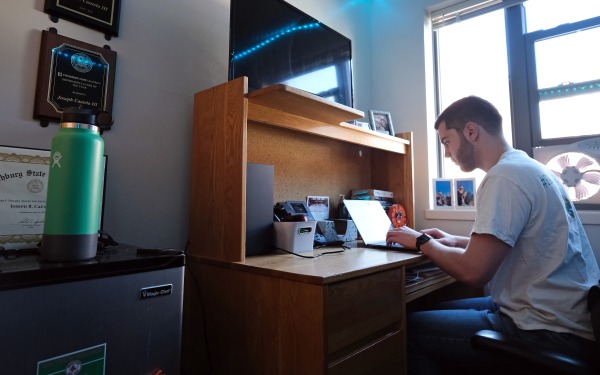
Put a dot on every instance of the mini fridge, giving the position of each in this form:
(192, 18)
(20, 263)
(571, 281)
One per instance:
(120, 313)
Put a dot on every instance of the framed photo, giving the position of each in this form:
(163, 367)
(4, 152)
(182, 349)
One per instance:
(465, 193)
(443, 198)
(318, 206)
(102, 15)
(381, 121)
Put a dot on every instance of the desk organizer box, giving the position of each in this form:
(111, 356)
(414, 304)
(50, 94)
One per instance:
(297, 237)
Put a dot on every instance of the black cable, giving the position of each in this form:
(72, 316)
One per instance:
(344, 248)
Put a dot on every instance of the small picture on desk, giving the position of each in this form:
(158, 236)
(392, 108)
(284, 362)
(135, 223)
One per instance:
(442, 194)
(465, 193)
(318, 206)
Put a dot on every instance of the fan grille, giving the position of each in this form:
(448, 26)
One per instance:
(579, 173)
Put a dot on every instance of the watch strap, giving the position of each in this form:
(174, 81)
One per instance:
(421, 240)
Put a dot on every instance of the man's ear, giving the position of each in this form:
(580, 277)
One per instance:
(471, 131)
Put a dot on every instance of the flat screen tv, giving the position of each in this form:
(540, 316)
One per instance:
(272, 42)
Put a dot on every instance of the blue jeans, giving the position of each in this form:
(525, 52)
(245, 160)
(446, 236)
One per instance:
(439, 340)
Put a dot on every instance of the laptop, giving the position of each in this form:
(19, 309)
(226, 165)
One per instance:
(372, 223)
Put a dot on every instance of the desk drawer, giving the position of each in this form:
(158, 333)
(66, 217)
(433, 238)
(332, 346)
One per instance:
(362, 311)
(383, 357)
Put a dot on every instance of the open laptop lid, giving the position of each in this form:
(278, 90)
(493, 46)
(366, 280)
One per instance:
(372, 223)
(370, 220)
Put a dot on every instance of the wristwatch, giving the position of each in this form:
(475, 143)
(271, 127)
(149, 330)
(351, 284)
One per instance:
(422, 239)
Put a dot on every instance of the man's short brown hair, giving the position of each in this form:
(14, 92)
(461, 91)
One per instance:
(471, 108)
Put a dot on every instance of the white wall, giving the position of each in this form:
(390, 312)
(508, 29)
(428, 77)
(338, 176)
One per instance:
(166, 52)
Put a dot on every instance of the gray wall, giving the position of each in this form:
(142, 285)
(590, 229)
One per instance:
(167, 51)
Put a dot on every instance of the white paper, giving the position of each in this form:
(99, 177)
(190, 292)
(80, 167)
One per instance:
(23, 189)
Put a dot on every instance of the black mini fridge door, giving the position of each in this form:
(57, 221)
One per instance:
(115, 315)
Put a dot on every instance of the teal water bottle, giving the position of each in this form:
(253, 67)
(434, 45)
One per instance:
(74, 189)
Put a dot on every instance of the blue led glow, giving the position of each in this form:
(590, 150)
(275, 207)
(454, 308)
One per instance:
(269, 40)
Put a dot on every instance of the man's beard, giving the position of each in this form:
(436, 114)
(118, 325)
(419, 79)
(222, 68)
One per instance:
(465, 156)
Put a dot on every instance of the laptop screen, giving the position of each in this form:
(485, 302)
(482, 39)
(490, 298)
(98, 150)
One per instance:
(370, 219)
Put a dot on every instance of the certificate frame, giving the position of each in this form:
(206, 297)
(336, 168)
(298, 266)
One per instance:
(22, 227)
(101, 15)
(72, 73)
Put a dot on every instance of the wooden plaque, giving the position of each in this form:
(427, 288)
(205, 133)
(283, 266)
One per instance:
(102, 15)
(72, 74)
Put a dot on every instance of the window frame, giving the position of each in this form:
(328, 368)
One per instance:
(523, 91)
(530, 39)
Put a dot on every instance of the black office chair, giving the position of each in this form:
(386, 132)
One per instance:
(530, 359)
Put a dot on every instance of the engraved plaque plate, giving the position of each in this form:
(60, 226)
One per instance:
(72, 74)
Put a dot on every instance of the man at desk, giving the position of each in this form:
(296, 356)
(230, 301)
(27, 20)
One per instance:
(527, 244)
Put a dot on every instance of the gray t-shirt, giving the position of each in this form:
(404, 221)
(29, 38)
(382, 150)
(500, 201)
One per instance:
(543, 281)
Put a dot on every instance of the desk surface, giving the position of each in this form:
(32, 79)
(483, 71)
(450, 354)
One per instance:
(325, 269)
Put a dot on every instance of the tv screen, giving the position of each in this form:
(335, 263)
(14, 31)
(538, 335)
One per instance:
(272, 42)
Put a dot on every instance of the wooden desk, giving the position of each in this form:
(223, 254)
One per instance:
(280, 314)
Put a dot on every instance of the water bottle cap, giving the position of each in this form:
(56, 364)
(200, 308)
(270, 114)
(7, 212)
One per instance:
(79, 115)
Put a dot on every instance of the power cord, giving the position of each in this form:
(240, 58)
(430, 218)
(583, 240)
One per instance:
(344, 248)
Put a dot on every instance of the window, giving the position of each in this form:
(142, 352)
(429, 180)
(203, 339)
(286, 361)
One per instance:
(472, 60)
(547, 14)
(564, 75)
(551, 49)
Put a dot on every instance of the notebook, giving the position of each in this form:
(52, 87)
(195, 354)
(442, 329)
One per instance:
(372, 223)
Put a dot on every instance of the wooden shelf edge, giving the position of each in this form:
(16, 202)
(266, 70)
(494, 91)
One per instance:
(292, 100)
(342, 131)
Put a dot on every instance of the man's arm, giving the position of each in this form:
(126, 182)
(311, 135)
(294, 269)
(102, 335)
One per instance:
(475, 265)
(473, 260)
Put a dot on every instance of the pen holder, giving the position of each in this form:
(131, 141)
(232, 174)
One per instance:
(295, 236)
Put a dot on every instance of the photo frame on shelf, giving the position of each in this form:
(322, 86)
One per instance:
(464, 189)
(443, 197)
(381, 121)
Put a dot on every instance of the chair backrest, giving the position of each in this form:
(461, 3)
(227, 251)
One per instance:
(594, 308)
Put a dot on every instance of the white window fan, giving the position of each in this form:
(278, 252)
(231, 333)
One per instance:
(577, 165)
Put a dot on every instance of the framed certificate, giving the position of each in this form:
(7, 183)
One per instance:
(23, 188)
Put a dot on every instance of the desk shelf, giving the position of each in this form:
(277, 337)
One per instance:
(297, 110)
(304, 136)
(277, 314)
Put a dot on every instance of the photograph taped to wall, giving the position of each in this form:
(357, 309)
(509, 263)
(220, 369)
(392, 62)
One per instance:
(442, 194)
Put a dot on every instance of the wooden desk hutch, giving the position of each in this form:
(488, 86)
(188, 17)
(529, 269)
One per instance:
(280, 314)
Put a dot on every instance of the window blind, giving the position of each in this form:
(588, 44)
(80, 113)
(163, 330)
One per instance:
(467, 9)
